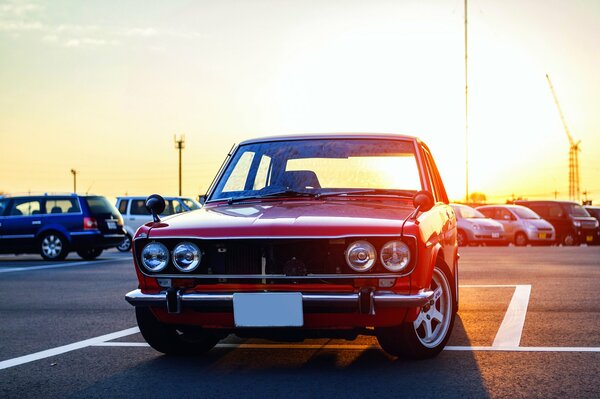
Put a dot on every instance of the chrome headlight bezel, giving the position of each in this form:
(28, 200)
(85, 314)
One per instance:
(161, 252)
(191, 248)
(360, 256)
(397, 246)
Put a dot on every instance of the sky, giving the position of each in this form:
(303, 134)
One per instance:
(103, 87)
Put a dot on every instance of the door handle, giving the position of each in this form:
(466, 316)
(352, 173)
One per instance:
(36, 222)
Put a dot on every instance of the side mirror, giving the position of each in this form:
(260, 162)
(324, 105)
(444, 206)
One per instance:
(155, 204)
(423, 200)
(202, 199)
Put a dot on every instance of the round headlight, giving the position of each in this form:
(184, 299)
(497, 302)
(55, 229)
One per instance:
(395, 256)
(155, 257)
(186, 256)
(360, 256)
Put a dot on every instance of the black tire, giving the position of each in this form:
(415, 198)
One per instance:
(521, 239)
(569, 239)
(411, 340)
(461, 238)
(172, 340)
(125, 245)
(89, 253)
(53, 246)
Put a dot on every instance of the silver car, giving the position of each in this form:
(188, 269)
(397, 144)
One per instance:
(476, 228)
(521, 224)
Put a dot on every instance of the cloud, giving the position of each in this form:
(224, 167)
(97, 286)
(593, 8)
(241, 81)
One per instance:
(20, 26)
(18, 9)
(143, 32)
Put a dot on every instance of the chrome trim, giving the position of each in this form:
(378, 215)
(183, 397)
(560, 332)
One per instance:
(276, 238)
(18, 236)
(191, 299)
(274, 276)
(114, 235)
(80, 233)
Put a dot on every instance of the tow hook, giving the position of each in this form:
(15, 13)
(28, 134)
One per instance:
(174, 300)
(366, 303)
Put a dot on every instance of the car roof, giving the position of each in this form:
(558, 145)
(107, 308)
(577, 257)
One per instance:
(316, 136)
(144, 197)
(545, 202)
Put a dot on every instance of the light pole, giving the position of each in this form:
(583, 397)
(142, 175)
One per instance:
(179, 145)
(74, 172)
(466, 112)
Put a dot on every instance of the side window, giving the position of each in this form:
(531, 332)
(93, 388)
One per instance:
(237, 179)
(138, 207)
(504, 214)
(25, 207)
(488, 212)
(3, 205)
(436, 180)
(61, 205)
(123, 206)
(555, 211)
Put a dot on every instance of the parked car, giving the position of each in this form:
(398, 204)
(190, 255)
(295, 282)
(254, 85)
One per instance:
(305, 236)
(572, 223)
(135, 213)
(594, 212)
(54, 225)
(521, 225)
(476, 228)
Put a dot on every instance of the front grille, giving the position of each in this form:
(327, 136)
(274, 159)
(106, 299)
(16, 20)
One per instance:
(492, 228)
(278, 257)
(588, 225)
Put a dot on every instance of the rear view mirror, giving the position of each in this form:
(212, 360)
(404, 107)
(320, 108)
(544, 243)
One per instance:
(423, 200)
(155, 204)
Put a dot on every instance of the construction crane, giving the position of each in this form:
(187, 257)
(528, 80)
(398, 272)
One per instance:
(574, 193)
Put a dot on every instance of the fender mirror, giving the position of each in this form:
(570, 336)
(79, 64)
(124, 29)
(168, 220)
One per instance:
(423, 200)
(155, 204)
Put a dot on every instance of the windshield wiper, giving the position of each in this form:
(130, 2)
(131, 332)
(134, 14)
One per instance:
(283, 193)
(374, 191)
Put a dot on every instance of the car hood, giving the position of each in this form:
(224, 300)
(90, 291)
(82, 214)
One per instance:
(286, 219)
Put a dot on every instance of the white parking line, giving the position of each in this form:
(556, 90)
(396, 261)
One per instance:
(66, 348)
(511, 329)
(59, 265)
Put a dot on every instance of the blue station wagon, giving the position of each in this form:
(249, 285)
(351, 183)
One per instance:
(54, 225)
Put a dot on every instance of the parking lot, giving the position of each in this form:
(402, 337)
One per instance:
(528, 326)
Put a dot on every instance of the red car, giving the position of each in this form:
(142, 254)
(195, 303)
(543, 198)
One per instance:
(305, 236)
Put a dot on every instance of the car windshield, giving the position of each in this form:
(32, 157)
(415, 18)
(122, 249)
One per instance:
(577, 210)
(316, 167)
(466, 212)
(525, 213)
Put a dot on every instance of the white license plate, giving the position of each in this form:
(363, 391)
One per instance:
(495, 235)
(271, 309)
(111, 225)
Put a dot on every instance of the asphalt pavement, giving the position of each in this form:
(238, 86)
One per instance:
(528, 326)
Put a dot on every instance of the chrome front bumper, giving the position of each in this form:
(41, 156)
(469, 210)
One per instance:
(364, 301)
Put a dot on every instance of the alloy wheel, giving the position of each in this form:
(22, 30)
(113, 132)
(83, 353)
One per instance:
(52, 246)
(434, 319)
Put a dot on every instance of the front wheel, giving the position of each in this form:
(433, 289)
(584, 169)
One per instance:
(461, 238)
(90, 253)
(125, 245)
(173, 340)
(520, 240)
(427, 336)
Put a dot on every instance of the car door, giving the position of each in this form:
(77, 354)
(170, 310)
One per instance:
(138, 214)
(22, 220)
(507, 220)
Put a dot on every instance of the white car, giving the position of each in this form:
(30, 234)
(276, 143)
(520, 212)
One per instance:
(135, 213)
